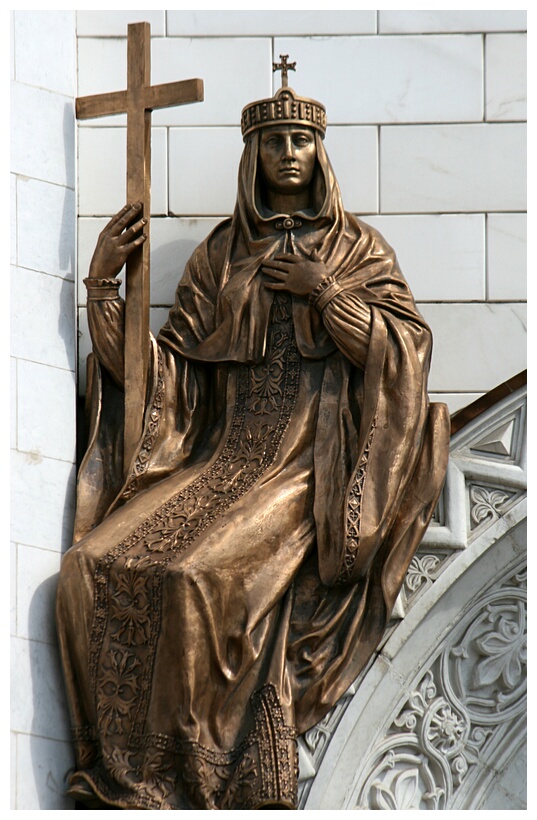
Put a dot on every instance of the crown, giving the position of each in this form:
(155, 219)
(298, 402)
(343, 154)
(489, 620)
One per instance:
(285, 108)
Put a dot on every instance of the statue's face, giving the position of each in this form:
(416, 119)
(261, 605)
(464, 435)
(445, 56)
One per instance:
(287, 154)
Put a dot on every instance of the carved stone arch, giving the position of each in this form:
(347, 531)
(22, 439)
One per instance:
(438, 718)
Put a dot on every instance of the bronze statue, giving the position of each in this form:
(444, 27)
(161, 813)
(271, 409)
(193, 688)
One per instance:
(230, 583)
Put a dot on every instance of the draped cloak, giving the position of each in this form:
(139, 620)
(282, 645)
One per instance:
(227, 587)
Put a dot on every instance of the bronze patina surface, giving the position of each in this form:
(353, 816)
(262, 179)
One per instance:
(229, 583)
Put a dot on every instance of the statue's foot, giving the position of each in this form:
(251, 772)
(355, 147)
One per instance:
(81, 791)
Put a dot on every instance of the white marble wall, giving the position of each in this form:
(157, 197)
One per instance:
(426, 133)
(43, 392)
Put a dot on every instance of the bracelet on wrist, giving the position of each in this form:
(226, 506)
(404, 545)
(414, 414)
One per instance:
(324, 292)
(102, 290)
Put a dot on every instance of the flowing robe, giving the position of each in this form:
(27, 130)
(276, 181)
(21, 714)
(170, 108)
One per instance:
(223, 596)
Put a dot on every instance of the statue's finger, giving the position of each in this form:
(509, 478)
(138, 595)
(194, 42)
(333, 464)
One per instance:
(276, 274)
(287, 257)
(126, 216)
(130, 246)
(134, 229)
(282, 267)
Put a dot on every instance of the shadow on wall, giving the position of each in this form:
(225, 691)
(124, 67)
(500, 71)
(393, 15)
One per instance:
(51, 753)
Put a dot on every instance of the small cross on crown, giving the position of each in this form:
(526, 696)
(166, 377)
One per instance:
(284, 67)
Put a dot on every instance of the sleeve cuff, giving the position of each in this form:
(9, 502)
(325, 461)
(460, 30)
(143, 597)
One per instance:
(324, 292)
(102, 290)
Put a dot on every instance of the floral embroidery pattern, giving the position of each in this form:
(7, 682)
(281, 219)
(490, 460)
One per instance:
(118, 686)
(128, 605)
(354, 510)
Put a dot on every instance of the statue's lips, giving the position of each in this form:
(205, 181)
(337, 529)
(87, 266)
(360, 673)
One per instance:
(289, 172)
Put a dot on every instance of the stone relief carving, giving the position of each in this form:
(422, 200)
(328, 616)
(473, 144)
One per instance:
(463, 704)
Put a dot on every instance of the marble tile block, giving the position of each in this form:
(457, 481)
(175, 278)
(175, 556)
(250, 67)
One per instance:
(505, 77)
(12, 771)
(11, 44)
(201, 184)
(43, 769)
(455, 401)
(102, 67)
(476, 347)
(234, 72)
(42, 135)
(416, 22)
(46, 395)
(42, 318)
(453, 168)
(13, 219)
(13, 572)
(173, 240)
(353, 152)
(114, 23)
(442, 256)
(53, 64)
(45, 244)
(102, 170)
(36, 593)
(219, 62)
(280, 22)
(507, 256)
(13, 403)
(390, 79)
(42, 501)
(172, 243)
(38, 703)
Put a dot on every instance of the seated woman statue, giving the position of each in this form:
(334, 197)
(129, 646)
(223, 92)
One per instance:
(228, 585)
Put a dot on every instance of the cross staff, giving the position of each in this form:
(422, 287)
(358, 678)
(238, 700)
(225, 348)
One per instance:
(139, 99)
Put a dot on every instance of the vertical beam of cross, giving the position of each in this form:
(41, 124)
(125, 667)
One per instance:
(137, 102)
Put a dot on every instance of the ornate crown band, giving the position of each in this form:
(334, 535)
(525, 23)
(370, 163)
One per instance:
(285, 108)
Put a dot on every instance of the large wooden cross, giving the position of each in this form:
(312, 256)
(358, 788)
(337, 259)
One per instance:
(137, 101)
